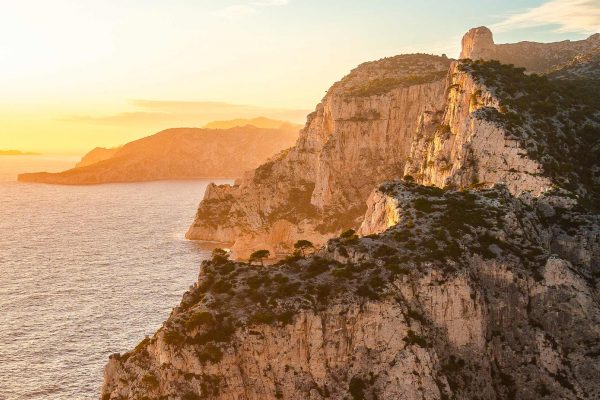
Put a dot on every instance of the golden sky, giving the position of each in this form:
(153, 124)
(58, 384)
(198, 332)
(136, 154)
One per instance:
(80, 74)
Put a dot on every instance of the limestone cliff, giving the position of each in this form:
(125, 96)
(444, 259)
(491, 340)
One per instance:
(359, 135)
(478, 43)
(468, 147)
(468, 295)
(181, 153)
(475, 276)
(442, 122)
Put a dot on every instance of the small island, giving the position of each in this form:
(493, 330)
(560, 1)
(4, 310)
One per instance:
(17, 153)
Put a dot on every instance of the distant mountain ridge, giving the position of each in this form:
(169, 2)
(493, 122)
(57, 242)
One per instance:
(17, 153)
(259, 122)
(96, 155)
(178, 153)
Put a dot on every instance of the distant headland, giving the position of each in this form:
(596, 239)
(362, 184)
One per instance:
(17, 153)
(224, 149)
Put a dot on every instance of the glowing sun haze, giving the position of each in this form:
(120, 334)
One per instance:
(80, 74)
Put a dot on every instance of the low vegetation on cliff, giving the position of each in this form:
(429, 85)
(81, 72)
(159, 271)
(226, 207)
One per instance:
(444, 237)
(556, 121)
(482, 289)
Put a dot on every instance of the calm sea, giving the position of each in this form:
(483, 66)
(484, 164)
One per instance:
(85, 271)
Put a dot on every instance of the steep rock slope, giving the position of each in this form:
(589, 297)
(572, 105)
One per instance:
(478, 43)
(468, 126)
(470, 148)
(583, 66)
(470, 295)
(181, 153)
(502, 125)
(487, 292)
(359, 135)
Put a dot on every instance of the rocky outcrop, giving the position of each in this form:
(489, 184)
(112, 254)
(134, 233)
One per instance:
(478, 44)
(464, 296)
(442, 123)
(583, 66)
(468, 148)
(359, 135)
(476, 276)
(181, 153)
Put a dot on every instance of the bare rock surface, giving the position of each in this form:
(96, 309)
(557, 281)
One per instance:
(359, 135)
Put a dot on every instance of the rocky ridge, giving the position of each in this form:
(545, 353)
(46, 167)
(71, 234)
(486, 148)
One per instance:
(470, 295)
(362, 129)
(478, 44)
(475, 276)
(443, 122)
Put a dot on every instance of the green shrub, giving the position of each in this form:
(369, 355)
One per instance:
(173, 337)
(357, 388)
(219, 256)
(263, 317)
(384, 251)
(210, 353)
(150, 380)
(413, 339)
(222, 286)
(348, 234)
(259, 255)
(201, 318)
(303, 245)
(317, 266)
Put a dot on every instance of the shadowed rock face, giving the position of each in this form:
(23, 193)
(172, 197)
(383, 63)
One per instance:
(181, 153)
(476, 276)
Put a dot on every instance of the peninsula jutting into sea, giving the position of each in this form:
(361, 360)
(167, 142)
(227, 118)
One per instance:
(300, 200)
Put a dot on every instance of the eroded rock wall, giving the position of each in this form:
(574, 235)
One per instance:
(468, 148)
(497, 314)
(359, 135)
(478, 43)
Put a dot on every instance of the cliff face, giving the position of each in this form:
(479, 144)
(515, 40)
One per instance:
(471, 295)
(484, 285)
(182, 153)
(478, 43)
(468, 148)
(358, 136)
(442, 123)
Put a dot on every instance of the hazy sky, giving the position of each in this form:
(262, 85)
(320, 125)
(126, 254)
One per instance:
(79, 73)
